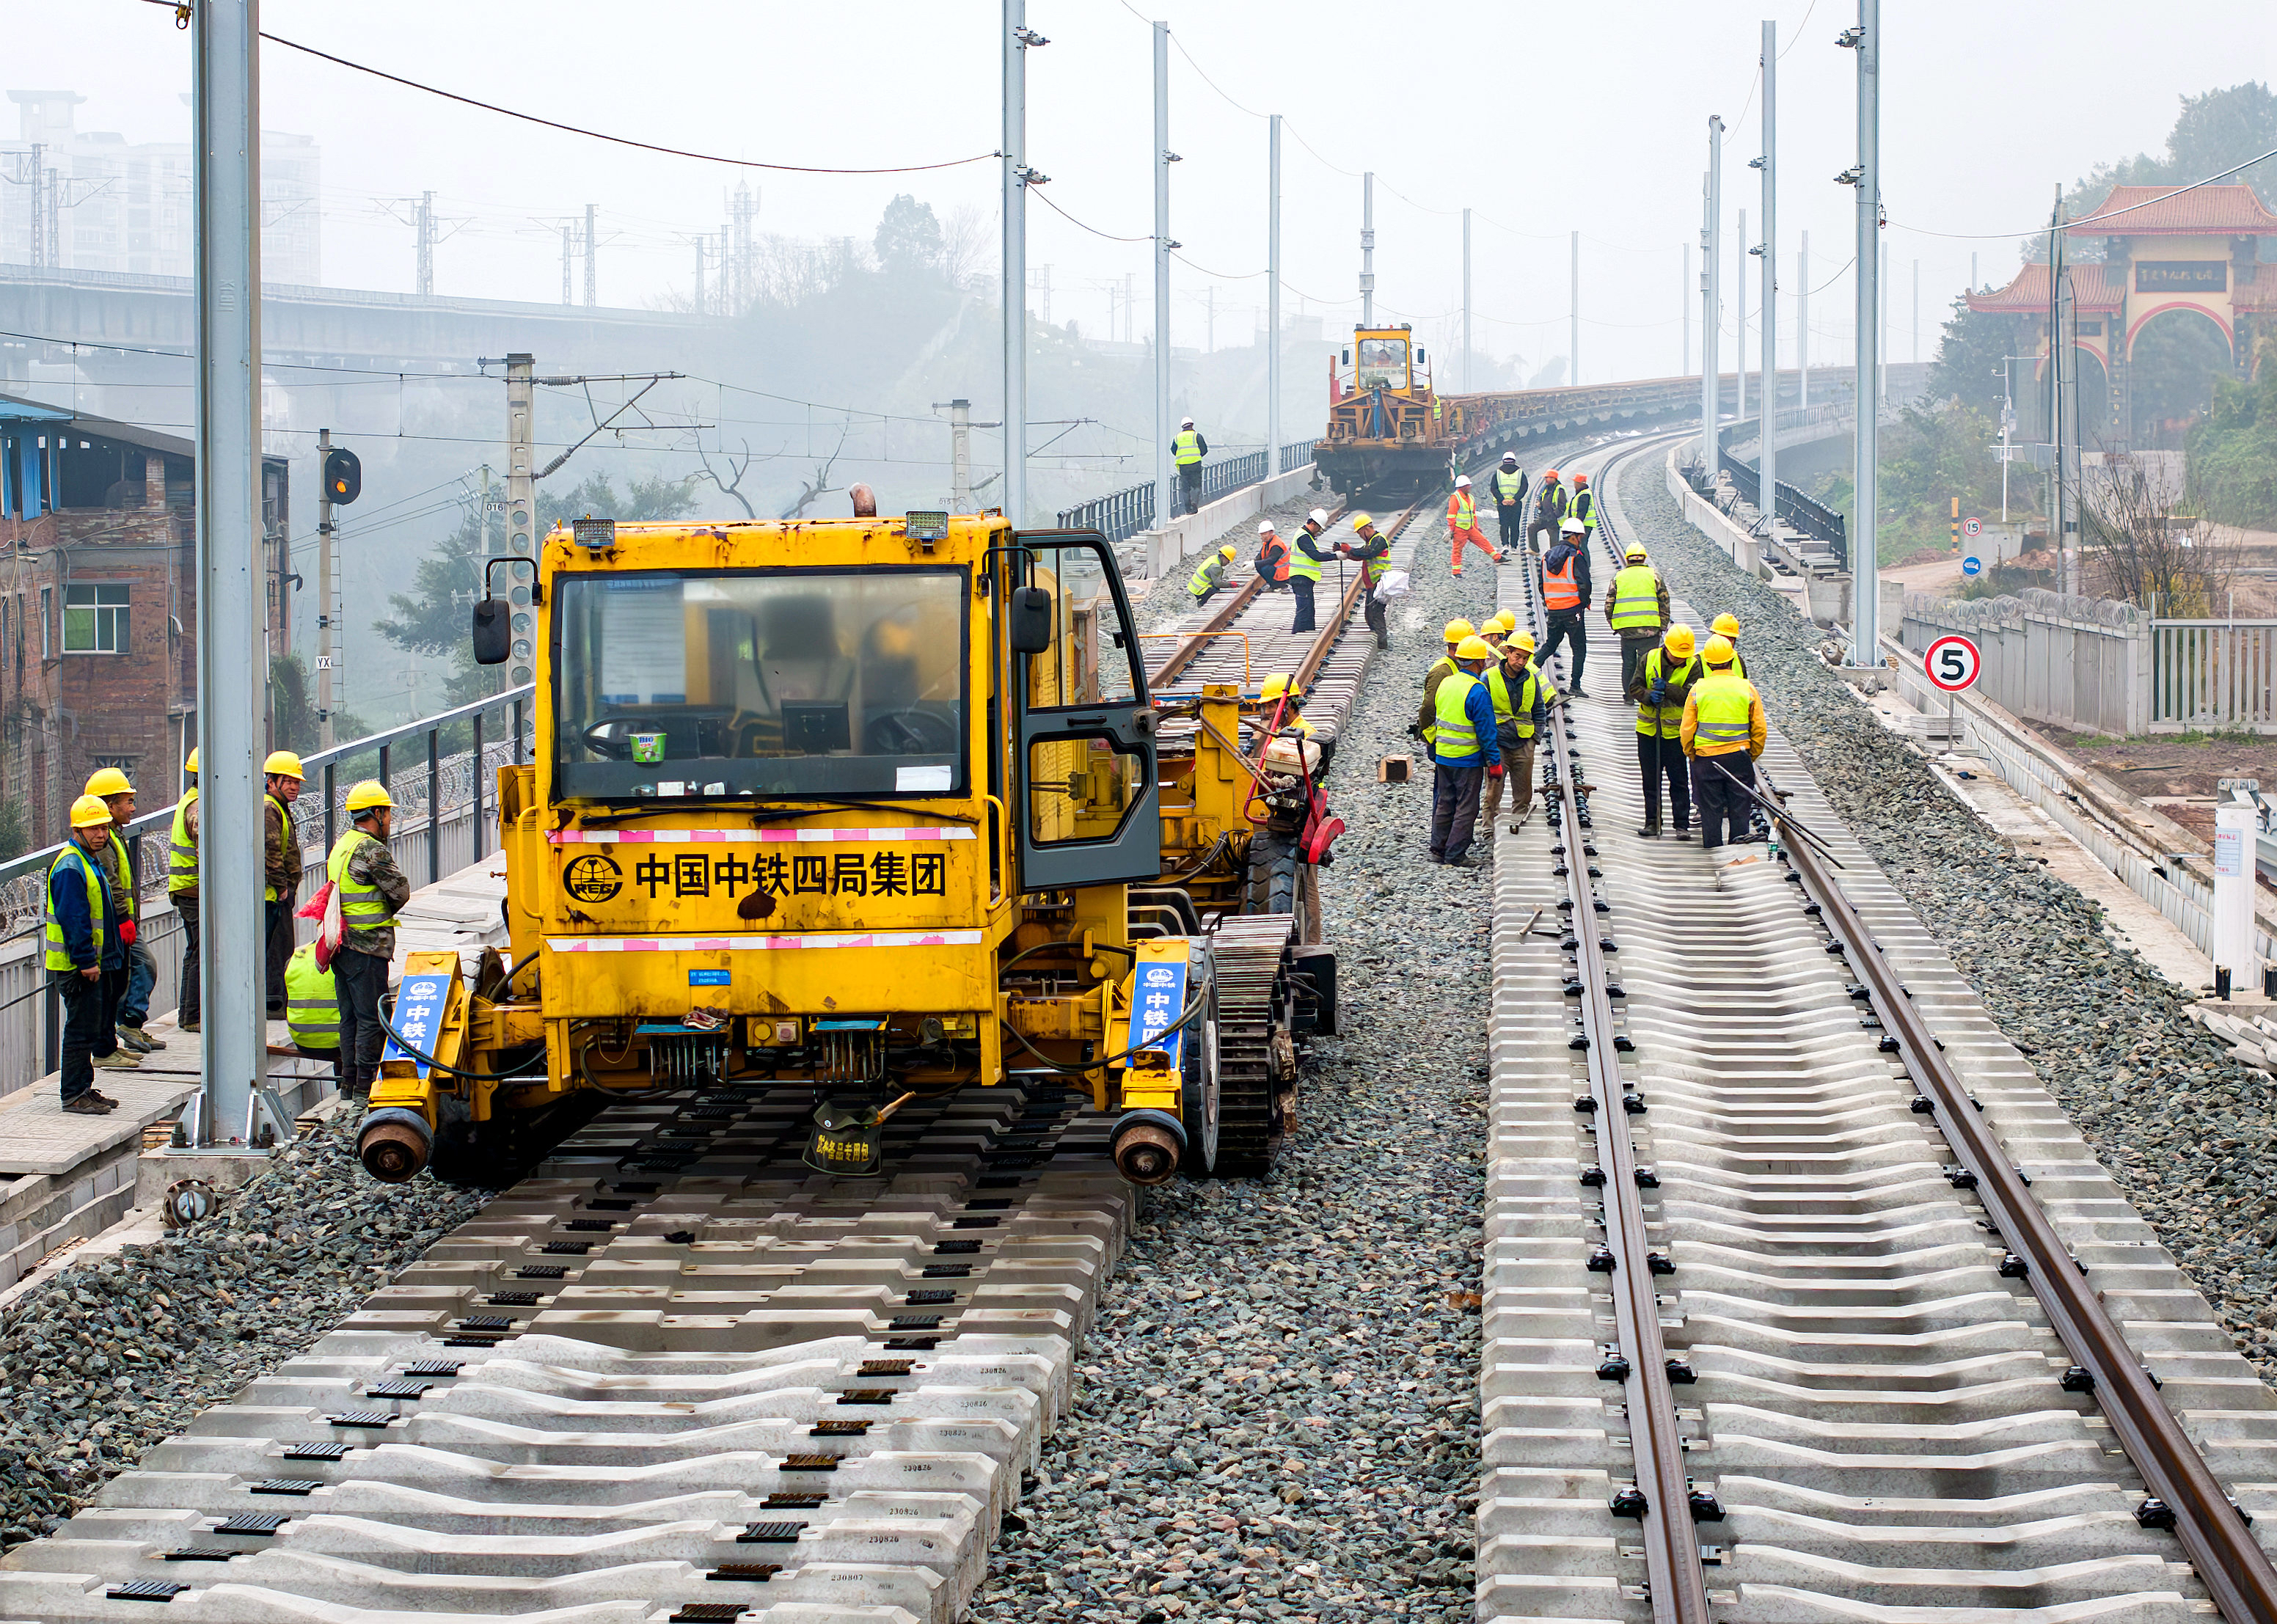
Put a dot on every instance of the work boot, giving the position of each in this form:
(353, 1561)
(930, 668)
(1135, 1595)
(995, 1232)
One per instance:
(1381, 641)
(88, 1105)
(1577, 692)
(132, 1040)
(118, 1060)
(101, 1098)
(1683, 832)
(189, 1026)
(1651, 831)
(143, 1038)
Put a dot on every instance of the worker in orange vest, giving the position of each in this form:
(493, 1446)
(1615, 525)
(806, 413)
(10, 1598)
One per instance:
(1462, 526)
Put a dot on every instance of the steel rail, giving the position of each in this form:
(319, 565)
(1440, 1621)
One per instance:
(1675, 1584)
(1189, 650)
(2236, 1571)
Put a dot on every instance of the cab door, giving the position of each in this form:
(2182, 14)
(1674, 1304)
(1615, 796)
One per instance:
(1083, 773)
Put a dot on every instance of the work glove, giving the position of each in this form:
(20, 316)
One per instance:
(1659, 695)
(1494, 769)
(1415, 731)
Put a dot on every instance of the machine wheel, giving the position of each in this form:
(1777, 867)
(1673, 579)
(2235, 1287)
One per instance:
(1257, 1061)
(1201, 1098)
(1274, 874)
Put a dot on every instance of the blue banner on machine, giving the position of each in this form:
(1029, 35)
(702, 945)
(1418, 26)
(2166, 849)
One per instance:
(418, 1016)
(1158, 1000)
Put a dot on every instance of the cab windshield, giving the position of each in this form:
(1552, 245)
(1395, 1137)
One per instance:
(771, 683)
(1381, 361)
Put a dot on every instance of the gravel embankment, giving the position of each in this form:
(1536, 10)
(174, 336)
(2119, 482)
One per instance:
(2190, 1135)
(1277, 1413)
(121, 1352)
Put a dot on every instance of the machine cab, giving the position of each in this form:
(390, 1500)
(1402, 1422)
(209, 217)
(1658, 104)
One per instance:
(1382, 358)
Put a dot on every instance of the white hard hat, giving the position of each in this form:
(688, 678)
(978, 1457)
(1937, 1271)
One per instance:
(1462, 482)
(1185, 423)
(1574, 527)
(1510, 456)
(1319, 515)
(1266, 529)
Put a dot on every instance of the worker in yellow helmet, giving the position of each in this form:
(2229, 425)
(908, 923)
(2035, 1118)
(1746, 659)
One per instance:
(85, 959)
(1208, 579)
(371, 889)
(1726, 625)
(1664, 680)
(117, 795)
(1722, 732)
(1637, 609)
(1427, 714)
(1465, 753)
(281, 868)
(1520, 708)
(182, 891)
(1371, 550)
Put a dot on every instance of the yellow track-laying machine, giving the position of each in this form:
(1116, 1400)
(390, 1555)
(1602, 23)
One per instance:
(878, 808)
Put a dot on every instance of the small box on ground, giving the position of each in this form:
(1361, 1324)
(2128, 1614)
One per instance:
(1395, 769)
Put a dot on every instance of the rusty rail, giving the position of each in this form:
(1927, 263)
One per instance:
(1186, 653)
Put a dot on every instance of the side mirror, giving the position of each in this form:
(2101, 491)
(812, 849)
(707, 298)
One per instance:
(494, 631)
(1030, 621)
(1422, 358)
(1348, 358)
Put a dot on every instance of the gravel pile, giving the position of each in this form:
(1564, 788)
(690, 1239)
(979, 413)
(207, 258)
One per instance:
(118, 1353)
(2190, 1135)
(1277, 1413)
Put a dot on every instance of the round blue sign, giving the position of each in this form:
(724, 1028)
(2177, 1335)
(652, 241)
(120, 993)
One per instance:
(1972, 566)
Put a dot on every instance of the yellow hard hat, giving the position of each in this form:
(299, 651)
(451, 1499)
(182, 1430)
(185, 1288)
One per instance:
(1679, 641)
(1505, 619)
(108, 780)
(1361, 521)
(1523, 640)
(1229, 552)
(1458, 630)
(1475, 648)
(1635, 551)
(191, 765)
(283, 764)
(1726, 625)
(1279, 684)
(368, 794)
(1718, 652)
(88, 811)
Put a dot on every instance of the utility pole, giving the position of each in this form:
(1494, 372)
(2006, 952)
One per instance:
(1467, 300)
(1367, 249)
(1042, 283)
(1882, 294)
(1130, 310)
(701, 306)
(326, 596)
(233, 655)
(1917, 312)
(1711, 276)
(2064, 381)
(521, 437)
(568, 253)
(1767, 461)
(1273, 301)
(1866, 40)
(39, 183)
(1573, 336)
(1739, 298)
(1802, 322)
(960, 454)
(1017, 38)
(1209, 319)
(1684, 349)
(591, 293)
(426, 245)
(1165, 476)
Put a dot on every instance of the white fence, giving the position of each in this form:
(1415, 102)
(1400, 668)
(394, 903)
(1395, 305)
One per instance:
(2213, 675)
(2080, 663)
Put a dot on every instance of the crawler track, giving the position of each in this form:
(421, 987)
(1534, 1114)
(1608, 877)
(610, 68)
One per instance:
(1907, 1386)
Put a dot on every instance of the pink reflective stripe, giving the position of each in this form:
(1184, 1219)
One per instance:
(662, 837)
(763, 944)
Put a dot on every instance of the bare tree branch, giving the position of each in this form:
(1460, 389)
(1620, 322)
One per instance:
(2145, 543)
(731, 487)
(819, 486)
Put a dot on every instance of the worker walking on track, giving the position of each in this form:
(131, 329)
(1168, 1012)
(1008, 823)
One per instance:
(1305, 573)
(1372, 550)
(86, 960)
(1187, 450)
(1636, 608)
(1520, 711)
(1726, 625)
(1509, 485)
(1463, 754)
(1208, 580)
(1442, 669)
(1565, 594)
(117, 796)
(1722, 732)
(1462, 526)
(1550, 511)
(371, 889)
(182, 891)
(1583, 505)
(1664, 680)
(281, 866)
(312, 1008)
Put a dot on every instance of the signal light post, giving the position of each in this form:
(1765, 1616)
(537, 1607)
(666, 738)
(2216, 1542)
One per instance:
(342, 484)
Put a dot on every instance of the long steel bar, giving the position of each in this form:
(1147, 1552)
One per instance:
(2236, 1571)
(1865, 636)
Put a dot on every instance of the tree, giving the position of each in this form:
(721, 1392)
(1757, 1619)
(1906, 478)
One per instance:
(908, 241)
(2145, 544)
(2233, 448)
(1968, 366)
(966, 237)
(2212, 132)
(644, 501)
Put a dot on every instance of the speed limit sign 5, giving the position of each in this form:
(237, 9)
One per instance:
(1952, 663)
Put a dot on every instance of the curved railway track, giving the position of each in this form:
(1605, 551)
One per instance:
(1803, 1299)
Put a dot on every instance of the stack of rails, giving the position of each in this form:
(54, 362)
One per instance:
(1885, 1404)
(672, 1375)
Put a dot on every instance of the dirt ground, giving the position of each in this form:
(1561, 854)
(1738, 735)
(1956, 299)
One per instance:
(2177, 774)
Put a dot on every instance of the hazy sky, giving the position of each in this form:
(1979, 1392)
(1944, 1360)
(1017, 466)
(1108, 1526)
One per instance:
(1542, 119)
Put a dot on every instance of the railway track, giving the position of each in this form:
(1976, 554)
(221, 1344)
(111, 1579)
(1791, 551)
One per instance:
(1803, 1299)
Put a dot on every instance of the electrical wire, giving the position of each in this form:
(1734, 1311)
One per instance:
(186, 354)
(1044, 198)
(2092, 219)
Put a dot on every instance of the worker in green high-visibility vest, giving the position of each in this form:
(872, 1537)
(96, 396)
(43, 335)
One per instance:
(1187, 450)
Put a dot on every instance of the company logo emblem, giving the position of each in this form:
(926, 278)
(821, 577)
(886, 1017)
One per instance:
(1160, 976)
(592, 878)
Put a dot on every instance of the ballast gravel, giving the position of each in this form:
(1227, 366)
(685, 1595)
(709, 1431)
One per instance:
(113, 1354)
(2190, 1135)
(1276, 1414)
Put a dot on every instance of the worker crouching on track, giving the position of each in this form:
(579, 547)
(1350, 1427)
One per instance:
(1663, 681)
(1463, 527)
(1208, 580)
(312, 1008)
(85, 959)
(1722, 732)
(1372, 551)
(1565, 594)
(1637, 610)
(1463, 753)
(1520, 711)
(371, 889)
(1272, 559)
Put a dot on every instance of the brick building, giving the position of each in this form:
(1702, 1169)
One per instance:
(98, 605)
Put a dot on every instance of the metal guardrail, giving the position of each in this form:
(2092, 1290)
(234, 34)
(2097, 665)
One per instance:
(1813, 519)
(1121, 514)
(443, 812)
